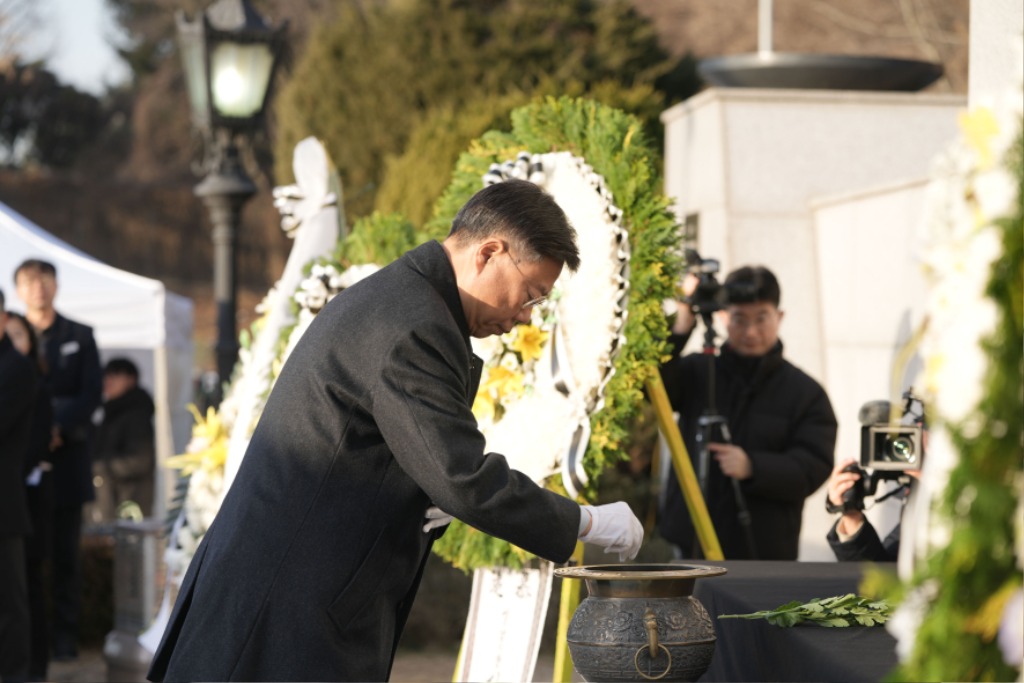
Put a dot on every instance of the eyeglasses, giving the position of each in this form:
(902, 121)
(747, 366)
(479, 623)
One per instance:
(536, 301)
(760, 321)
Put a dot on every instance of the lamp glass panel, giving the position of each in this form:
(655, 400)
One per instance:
(240, 74)
(195, 72)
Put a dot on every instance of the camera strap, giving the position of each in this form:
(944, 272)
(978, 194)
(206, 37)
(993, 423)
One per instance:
(902, 489)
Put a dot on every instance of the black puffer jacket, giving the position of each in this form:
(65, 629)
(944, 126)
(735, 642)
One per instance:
(784, 421)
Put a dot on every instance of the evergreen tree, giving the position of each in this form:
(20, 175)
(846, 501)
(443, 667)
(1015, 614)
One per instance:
(368, 79)
(413, 181)
(43, 121)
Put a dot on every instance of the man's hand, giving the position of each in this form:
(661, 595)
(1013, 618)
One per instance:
(614, 527)
(733, 460)
(840, 482)
(435, 517)
(685, 320)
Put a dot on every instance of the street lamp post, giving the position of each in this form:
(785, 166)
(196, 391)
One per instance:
(229, 53)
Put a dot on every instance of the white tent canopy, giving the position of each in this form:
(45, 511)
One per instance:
(131, 316)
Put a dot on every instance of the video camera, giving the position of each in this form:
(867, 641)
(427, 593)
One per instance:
(709, 295)
(888, 448)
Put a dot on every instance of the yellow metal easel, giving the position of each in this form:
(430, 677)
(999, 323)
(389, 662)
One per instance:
(684, 471)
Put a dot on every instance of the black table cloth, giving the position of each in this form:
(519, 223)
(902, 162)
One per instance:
(754, 650)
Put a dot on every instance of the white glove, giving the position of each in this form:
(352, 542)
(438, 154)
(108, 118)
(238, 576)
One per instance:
(614, 527)
(435, 517)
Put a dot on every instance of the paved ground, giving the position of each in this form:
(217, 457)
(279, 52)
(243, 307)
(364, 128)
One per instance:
(410, 667)
(429, 666)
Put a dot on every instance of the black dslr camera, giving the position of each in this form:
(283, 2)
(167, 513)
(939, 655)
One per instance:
(709, 295)
(889, 450)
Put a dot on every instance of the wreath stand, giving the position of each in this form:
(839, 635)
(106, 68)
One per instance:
(566, 384)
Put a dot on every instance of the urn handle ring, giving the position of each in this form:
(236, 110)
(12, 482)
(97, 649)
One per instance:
(652, 646)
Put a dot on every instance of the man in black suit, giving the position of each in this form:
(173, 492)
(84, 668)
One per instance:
(311, 566)
(17, 386)
(76, 387)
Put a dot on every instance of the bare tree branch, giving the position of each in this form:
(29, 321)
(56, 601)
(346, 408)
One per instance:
(17, 19)
(873, 28)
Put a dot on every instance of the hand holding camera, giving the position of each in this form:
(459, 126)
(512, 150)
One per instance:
(843, 494)
(891, 448)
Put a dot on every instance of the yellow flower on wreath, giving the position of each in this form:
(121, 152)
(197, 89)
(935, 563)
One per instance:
(483, 407)
(502, 382)
(980, 129)
(529, 342)
(208, 448)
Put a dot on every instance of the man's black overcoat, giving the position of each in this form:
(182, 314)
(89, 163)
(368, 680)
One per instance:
(313, 561)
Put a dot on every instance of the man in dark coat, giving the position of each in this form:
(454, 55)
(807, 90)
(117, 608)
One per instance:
(782, 426)
(75, 388)
(17, 388)
(310, 568)
(124, 453)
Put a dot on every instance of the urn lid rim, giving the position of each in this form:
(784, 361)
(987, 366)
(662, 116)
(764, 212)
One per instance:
(633, 572)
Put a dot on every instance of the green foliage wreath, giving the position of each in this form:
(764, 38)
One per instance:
(614, 144)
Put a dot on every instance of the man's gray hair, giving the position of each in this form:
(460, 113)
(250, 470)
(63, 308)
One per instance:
(525, 215)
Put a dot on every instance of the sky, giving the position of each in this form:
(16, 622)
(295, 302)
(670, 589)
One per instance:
(73, 36)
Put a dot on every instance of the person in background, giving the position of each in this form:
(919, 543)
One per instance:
(75, 388)
(124, 456)
(17, 384)
(366, 449)
(853, 538)
(783, 429)
(38, 493)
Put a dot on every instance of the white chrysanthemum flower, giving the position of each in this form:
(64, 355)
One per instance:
(906, 619)
(1011, 631)
(228, 409)
(488, 347)
(312, 293)
(354, 274)
(510, 361)
(187, 542)
(177, 561)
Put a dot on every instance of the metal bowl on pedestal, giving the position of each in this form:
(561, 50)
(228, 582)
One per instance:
(640, 622)
(818, 71)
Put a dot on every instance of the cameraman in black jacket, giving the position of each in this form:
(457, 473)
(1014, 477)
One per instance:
(782, 426)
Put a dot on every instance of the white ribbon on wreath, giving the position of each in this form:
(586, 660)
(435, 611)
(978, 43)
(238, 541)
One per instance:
(583, 327)
(556, 391)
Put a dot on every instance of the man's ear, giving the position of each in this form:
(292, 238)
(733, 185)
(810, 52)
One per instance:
(488, 249)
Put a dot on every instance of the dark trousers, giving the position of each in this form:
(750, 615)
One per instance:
(14, 615)
(37, 562)
(67, 578)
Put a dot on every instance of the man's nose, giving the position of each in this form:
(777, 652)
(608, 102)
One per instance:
(524, 315)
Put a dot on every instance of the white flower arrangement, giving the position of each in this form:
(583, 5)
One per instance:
(971, 190)
(509, 364)
(548, 377)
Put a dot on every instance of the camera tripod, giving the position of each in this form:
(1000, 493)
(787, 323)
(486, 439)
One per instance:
(714, 428)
